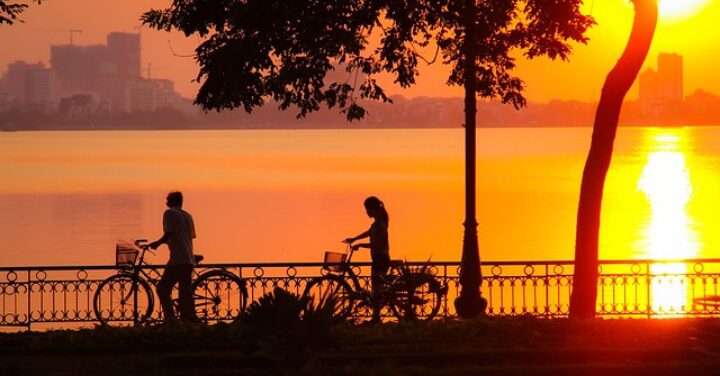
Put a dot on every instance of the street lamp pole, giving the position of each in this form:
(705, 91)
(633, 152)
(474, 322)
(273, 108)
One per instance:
(469, 302)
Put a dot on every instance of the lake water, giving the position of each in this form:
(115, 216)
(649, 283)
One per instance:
(288, 195)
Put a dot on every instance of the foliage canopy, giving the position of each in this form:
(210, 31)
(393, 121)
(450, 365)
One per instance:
(255, 50)
(9, 12)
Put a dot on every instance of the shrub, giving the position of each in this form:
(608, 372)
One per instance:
(284, 324)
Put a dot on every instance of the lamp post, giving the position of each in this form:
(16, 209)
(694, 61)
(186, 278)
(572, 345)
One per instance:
(469, 303)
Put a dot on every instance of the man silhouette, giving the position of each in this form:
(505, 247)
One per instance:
(178, 233)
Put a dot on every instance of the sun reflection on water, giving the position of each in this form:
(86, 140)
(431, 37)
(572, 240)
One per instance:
(665, 181)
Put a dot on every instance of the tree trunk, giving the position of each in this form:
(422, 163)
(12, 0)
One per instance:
(469, 303)
(617, 84)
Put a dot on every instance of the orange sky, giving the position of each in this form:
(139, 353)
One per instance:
(693, 36)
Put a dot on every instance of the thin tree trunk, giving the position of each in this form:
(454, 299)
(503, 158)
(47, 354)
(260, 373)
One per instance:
(469, 303)
(617, 84)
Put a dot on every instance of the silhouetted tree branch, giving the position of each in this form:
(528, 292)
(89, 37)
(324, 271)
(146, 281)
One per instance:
(254, 51)
(9, 12)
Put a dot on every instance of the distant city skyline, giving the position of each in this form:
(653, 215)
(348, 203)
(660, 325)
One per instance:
(664, 84)
(86, 86)
(109, 75)
(99, 77)
(580, 79)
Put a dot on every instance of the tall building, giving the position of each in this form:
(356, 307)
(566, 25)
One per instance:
(13, 82)
(124, 54)
(141, 95)
(649, 86)
(670, 72)
(108, 76)
(40, 88)
(149, 95)
(30, 84)
(76, 66)
(102, 70)
(664, 85)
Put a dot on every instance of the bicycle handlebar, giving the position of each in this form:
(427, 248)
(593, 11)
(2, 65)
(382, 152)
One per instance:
(348, 250)
(144, 245)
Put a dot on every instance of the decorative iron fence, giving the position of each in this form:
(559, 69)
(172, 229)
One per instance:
(61, 296)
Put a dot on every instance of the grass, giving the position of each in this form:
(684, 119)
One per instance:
(488, 346)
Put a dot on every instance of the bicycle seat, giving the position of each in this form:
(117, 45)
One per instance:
(198, 258)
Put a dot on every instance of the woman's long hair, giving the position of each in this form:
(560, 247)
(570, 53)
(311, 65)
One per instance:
(375, 203)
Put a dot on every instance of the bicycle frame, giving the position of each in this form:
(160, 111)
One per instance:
(138, 273)
(407, 293)
(346, 272)
(153, 276)
(212, 302)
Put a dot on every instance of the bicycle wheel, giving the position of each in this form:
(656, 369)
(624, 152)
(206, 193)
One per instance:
(219, 295)
(418, 297)
(320, 290)
(123, 297)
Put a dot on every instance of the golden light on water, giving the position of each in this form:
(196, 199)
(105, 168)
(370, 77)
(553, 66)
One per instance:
(665, 181)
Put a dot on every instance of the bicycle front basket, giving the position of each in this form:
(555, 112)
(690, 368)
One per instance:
(333, 260)
(126, 254)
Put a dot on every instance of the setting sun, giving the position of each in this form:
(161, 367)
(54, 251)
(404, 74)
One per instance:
(678, 9)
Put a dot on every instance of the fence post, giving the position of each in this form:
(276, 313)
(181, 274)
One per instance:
(547, 290)
(447, 285)
(649, 289)
(29, 301)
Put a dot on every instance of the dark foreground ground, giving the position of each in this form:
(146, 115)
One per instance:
(518, 346)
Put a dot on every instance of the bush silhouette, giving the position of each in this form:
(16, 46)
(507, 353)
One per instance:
(284, 324)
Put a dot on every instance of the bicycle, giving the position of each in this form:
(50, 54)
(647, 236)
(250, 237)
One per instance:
(127, 296)
(408, 294)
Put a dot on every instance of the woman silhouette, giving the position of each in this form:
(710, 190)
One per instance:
(379, 247)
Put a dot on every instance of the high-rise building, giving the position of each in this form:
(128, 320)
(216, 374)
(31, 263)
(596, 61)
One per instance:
(670, 77)
(13, 82)
(149, 95)
(40, 88)
(106, 75)
(102, 70)
(77, 67)
(664, 85)
(124, 53)
(30, 84)
(649, 86)
(141, 95)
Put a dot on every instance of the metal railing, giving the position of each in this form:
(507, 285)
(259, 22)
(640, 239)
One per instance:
(58, 296)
